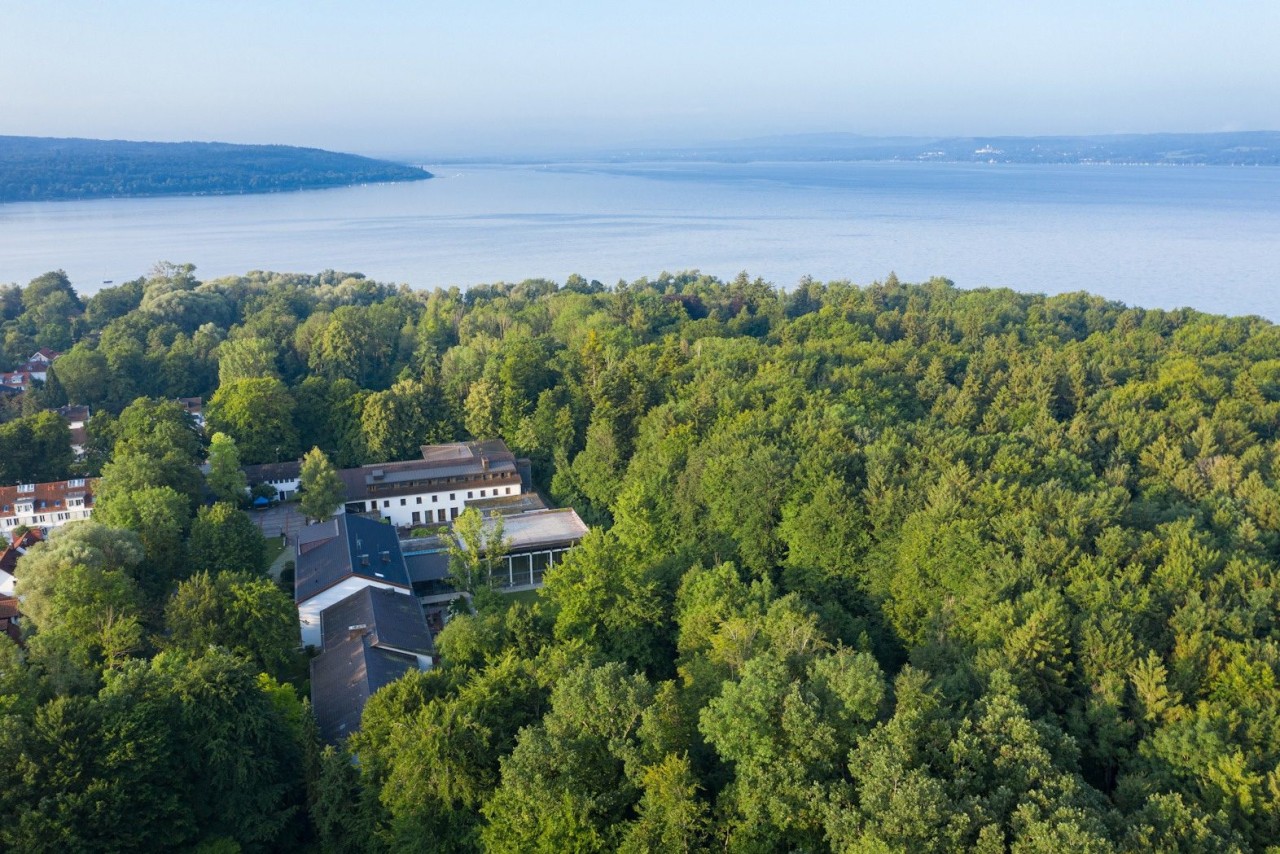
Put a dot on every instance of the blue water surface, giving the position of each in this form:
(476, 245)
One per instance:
(1207, 237)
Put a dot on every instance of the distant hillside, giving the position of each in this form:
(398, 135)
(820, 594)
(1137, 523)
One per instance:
(1252, 148)
(43, 169)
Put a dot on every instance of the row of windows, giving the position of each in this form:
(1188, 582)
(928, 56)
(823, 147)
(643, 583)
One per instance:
(437, 481)
(453, 496)
(29, 506)
(11, 521)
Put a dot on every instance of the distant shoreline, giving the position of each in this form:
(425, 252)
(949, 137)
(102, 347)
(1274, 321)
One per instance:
(1246, 148)
(39, 169)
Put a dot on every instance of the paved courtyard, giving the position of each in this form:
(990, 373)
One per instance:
(284, 518)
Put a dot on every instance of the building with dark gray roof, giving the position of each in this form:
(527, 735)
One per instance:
(427, 491)
(335, 558)
(371, 638)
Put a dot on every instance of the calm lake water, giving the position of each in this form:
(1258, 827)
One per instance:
(1208, 237)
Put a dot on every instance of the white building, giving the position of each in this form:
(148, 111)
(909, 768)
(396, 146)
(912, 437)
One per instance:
(428, 491)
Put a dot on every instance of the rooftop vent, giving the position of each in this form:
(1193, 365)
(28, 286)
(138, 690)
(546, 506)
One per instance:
(364, 560)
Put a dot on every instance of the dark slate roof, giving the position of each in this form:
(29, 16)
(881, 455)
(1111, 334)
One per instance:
(346, 545)
(391, 619)
(344, 676)
(429, 566)
(288, 470)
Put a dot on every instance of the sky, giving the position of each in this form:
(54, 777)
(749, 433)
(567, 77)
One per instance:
(432, 79)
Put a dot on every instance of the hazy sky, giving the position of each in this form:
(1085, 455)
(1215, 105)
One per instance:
(391, 77)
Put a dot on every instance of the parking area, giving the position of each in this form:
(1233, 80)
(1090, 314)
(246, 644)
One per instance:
(284, 518)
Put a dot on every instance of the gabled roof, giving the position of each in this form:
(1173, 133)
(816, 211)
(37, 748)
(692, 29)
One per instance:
(346, 675)
(74, 412)
(392, 620)
(344, 546)
(287, 470)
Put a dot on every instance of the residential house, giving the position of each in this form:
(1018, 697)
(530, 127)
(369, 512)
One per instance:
(78, 423)
(45, 505)
(35, 369)
(9, 558)
(9, 617)
(195, 408)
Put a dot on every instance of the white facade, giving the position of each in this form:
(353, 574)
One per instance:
(435, 508)
(44, 505)
(309, 611)
(286, 487)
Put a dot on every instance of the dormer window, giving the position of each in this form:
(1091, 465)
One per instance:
(26, 487)
(77, 482)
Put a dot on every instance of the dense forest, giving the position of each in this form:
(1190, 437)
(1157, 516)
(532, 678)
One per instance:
(36, 169)
(882, 568)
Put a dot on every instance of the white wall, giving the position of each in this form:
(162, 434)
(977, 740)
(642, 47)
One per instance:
(48, 517)
(400, 509)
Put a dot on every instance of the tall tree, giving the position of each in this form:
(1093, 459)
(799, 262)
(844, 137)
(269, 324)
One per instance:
(243, 613)
(225, 478)
(322, 490)
(223, 539)
(258, 413)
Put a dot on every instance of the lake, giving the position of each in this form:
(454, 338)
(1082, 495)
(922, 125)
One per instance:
(1207, 237)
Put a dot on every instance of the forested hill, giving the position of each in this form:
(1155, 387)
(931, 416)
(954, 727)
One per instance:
(44, 169)
(885, 568)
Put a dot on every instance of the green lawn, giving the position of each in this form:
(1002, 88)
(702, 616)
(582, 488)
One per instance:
(526, 596)
(275, 545)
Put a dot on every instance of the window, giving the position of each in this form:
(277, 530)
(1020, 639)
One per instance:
(440, 515)
(26, 487)
(470, 494)
(435, 498)
(79, 481)
(418, 500)
(404, 501)
(453, 496)
(386, 503)
(482, 493)
(508, 490)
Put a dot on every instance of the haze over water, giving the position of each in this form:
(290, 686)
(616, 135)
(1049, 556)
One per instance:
(1207, 237)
